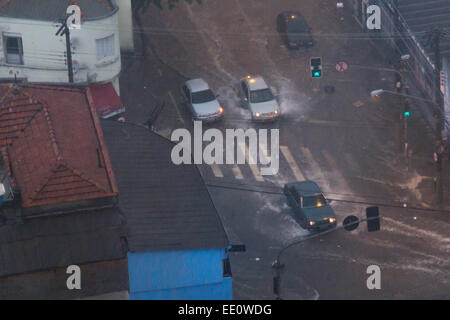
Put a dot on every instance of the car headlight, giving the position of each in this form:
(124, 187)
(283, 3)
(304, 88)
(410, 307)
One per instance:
(332, 220)
(220, 110)
(276, 111)
(257, 114)
(311, 223)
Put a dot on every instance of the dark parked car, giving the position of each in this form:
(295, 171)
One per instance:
(294, 30)
(310, 205)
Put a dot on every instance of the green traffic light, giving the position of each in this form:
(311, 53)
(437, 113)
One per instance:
(317, 74)
(406, 113)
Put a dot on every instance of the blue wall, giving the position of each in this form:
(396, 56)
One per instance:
(194, 274)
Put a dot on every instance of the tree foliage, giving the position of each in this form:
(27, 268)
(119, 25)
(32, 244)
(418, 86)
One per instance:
(142, 5)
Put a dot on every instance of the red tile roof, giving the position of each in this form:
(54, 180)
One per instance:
(54, 144)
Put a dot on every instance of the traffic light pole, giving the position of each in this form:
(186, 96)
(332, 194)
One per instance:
(278, 266)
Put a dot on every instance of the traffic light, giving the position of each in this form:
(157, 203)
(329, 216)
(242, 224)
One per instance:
(316, 67)
(373, 219)
(406, 110)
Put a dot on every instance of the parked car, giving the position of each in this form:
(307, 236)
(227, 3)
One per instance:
(294, 30)
(256, 96)
(201, 101)
(310, 205)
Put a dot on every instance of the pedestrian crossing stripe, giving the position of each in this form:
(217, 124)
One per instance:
(249, 159)
(237, 172)
(332, 162)
(313, 165)
(216, 170)
(290, 160)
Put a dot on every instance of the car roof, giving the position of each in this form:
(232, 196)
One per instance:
(297, 14)
(196, 85)
(305, 188)
(256, 82)
(292, 12)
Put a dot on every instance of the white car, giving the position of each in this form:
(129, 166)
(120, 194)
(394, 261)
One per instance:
(256, 96)
(201, 101)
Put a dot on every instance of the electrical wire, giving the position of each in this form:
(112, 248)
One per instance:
(370, 203)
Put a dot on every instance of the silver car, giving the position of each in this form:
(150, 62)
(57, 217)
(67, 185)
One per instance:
(201, 101)
(256, 96)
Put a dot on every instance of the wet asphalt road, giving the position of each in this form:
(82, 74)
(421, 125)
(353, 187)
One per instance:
(345, 141)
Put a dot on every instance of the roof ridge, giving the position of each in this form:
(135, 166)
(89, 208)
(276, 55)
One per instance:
(58, 165)
(82, 176)
(56, 87)
(47, 117)
(51, 131)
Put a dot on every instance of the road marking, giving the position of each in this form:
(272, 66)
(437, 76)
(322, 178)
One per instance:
(176, 106)
(237, 172)
(248, 157)
(216, 170)
(264, 157)
(336, 170)
(290, 160)
(313, 164)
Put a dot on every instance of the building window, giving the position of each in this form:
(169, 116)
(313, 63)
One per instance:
(14, 50)
(105, 47)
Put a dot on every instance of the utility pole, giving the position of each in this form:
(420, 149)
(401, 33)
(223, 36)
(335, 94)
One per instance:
(64, 30)
(436, 45)
(433, 39)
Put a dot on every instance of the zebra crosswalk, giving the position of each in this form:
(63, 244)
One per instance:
(295, 165)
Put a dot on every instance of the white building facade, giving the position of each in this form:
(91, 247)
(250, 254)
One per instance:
(31, 51)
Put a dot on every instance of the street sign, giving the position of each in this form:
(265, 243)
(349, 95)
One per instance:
(373, 219)
(350, 223)
(341, 66)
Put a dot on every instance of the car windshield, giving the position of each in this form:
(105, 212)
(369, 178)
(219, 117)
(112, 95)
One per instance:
(262, 95)
(296, 26)
(203, 96)
(317, 200)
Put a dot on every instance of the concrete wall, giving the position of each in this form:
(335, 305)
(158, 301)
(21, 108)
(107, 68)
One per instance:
(44, 53)
(126, 25)
(195, 274)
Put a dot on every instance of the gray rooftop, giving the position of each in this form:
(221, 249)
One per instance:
(422, 16)
(167, 207)
(59, 241)
(50, 10)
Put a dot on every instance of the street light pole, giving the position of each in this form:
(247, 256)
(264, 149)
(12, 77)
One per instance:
(378, 92)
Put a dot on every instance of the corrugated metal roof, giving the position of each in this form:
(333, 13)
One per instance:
(167, 207)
